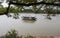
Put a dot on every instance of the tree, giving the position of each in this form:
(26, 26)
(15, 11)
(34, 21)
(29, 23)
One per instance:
(19, 6)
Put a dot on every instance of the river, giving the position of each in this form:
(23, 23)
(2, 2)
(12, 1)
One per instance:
(41, 26)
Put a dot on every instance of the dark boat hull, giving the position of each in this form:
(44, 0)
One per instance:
(29, 18)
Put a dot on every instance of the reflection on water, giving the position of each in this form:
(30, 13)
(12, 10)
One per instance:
(29, 21)
(39, 27)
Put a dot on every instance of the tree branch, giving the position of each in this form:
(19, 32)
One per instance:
(29, 4)
(7, 11)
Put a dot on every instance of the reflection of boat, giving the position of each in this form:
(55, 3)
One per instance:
(29, 18)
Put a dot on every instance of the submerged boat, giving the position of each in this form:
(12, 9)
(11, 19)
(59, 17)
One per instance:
(29, 18)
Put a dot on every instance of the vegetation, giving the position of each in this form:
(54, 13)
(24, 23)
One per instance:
(44, 6)
(14, 34)
(11, 34)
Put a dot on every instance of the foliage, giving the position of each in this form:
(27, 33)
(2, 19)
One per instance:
(16, 9)
(2, 10)
(34, 7)
(12, 34)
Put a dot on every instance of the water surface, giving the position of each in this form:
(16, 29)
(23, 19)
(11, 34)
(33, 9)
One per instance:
(41, 26)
